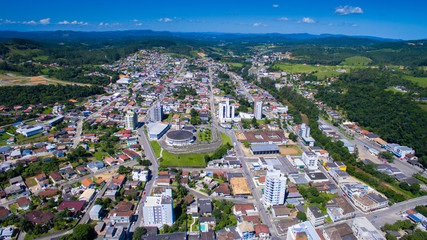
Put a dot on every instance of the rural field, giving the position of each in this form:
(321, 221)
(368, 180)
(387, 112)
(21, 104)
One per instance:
(422, 81)
(9, 79)
(357, 61)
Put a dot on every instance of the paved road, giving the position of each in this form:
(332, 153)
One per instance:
(393, 213)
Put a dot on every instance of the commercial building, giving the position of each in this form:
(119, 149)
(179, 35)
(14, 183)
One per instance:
(315, 216)
(340, 209)
(258, 109)
(364, 230)
(180, 138)
(131, 120)
(226, 111)
(302, 230)
(310, 160)
(156, 130)
(340, 231)
(265, 149)
(158, 211)
(157, 113)
(29, 130)
(265, 137)
(275, 187)
(304, 133)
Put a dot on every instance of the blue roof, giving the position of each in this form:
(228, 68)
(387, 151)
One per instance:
(413, 217)
(264, 147)
(4, 149)
(97, 164)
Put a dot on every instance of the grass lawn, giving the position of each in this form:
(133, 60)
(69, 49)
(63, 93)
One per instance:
(394, 90)
(99, 155)
(156, 148)
(422, 81)
(31, 182)
(40, 58)
(226, 139)
(13, 207)
(205, 136)
(21, 139)
(357, 61)
(235, 64)
(327, 74)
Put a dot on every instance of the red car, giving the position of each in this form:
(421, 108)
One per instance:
(143, 192)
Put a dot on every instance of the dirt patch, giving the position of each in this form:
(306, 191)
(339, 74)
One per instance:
(288, 151)
(304, 118)
(106, 176)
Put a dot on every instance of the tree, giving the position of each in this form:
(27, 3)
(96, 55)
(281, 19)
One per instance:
(246, 144)
(293, 137)
(139, 232)
(84, 232)
(386, 155)
(415, 188)
(302, 216)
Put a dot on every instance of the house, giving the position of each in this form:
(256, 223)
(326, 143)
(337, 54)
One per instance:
(111, 194)
(16, 180)
(88, 183)
(244, 209)
(246, 230)
(163, 181)
(131, 154)
(111, 161)
(207, 224)
(72, 206)
(340, 231)
(48, 193)
(118, 180)
(262, 232)
(95, 166)
(205, 206)
(222, 190)
(55, 177)
(4, 213)
(23, 203)
(122, 213)
(40, 218)
(81, 169)
(114, 233)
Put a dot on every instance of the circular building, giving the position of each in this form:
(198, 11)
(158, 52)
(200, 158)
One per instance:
(179, 138)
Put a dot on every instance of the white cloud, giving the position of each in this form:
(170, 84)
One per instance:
(307, 20)
(138, 24)
(32, 22)
(275, 5)
(101, 24)
(283, 19)
(9, 21)
(135, 20)
(72, 23)
(165, 20)
(256, 24)
(348, 10)
(45, 21)
(354, 25)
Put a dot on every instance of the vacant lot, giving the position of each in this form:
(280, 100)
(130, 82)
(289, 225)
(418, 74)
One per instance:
(10, 79)
(290, 150)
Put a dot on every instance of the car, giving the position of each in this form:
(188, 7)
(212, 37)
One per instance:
(143, 192)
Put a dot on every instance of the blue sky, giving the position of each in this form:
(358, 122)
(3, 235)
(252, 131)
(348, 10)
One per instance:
(390, 19)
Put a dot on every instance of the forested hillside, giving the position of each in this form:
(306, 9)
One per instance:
(396, 117)
(45, 94)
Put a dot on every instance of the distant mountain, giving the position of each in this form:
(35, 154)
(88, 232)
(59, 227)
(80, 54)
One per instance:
(58, 36)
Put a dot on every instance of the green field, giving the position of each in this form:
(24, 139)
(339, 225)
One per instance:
(357, 61)
(184, 160)
(327, 74)
(205, 136)
(40, 58)
(235, 64)
(422, 81)
(423, 106)
(392, 89)
(301, 68)
(99, 155)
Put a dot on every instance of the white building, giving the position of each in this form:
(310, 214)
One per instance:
(302, 230)
(226, 111)
(310, 160)
(304, 133)
(258, 109)
(158, 211)
(131, 120)
(364, 230)
(140, 175)
(157, 113)
(96, 212)
(275, 187)
(315, 216)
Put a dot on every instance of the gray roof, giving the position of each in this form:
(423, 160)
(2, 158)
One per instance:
(376, 197)
(264, 147)
(316, 211)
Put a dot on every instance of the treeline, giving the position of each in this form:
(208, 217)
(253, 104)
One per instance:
(337, 150)
(393, 116)
(44, 94)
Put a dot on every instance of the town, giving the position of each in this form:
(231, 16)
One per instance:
(181, 148)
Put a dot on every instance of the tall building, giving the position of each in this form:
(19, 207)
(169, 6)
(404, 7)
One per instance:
(226, 111)
(258, 109)
(131, 120)
(275, 187)
(158, 211)
(157, 113)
